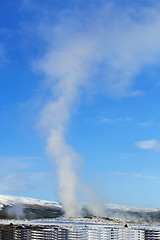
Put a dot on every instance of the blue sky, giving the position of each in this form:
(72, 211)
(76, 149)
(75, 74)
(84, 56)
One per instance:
(81, 79)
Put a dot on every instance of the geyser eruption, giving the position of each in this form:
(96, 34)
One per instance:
(55, 116)
(54, 119)
(96, 41)
(68, 182)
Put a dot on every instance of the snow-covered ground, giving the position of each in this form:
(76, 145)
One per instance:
(69, 223)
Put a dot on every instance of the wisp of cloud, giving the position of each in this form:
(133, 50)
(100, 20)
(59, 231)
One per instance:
(105, 47)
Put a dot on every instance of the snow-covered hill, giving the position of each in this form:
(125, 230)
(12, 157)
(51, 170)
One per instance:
(12, 200)
(6, 200)
(30, 208)
(130, 208)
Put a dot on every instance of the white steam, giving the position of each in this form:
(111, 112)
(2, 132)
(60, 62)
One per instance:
(16, 211)
(68, 182)
(105, 47)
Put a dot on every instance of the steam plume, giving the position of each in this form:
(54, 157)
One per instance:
(16, 211)
(100, 42)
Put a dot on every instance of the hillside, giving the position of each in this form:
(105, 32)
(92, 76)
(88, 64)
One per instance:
(29, 208)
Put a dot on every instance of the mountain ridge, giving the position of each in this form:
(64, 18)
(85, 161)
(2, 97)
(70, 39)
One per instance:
(13, 207)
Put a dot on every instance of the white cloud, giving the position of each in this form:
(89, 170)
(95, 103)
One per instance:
(127, 175)
(115, 120)
(149, 145)
(136, 93)
(146, 124)
(15, 182)
(2, 54)
(17, 174)
(133, 175)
